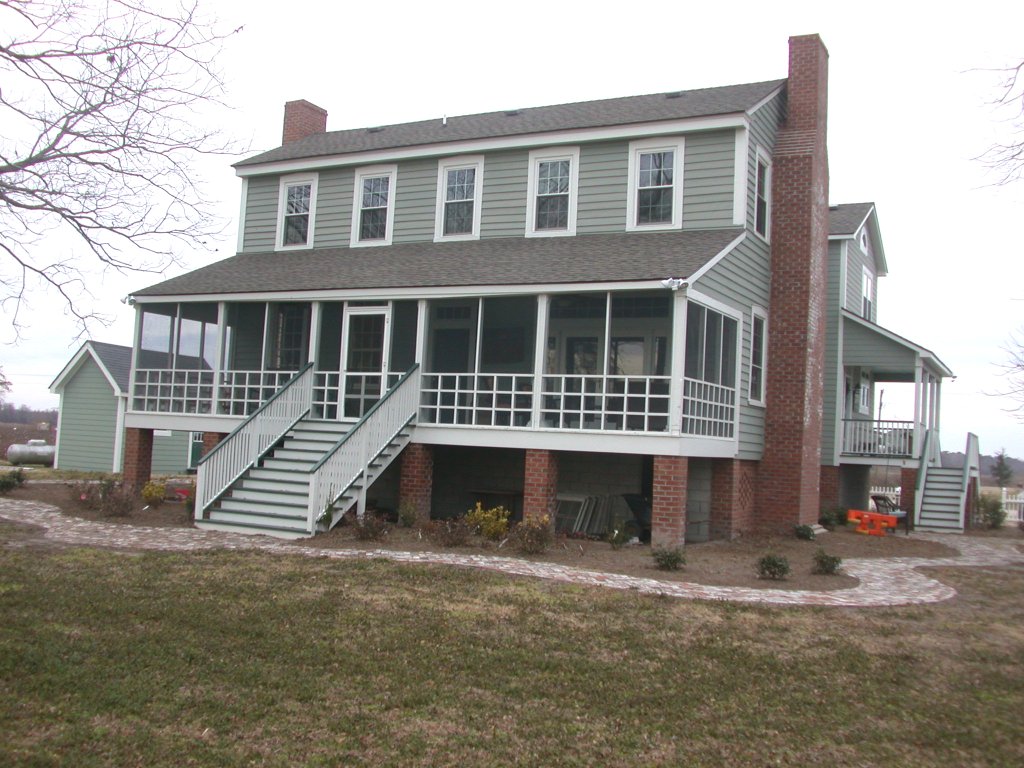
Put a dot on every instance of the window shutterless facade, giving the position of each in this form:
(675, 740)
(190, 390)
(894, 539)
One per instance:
(373, 209)
(459, 186)
(551, 192)
(758, 352)
(655, 194)
(296, 212)
(763, 196)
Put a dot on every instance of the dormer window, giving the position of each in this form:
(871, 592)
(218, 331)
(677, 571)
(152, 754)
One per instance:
(296, 212)
(655, 185)
(373, 211)
(551, 192)
(459, 186)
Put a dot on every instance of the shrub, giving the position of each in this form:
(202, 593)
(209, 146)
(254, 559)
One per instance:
(11, 480)
(773, 567)
(533, 536)
(991, 512)
(825, 564)
(371, 528)
(491, 523)
(406, 514)
(619, 537)
(452, 532)
(91, 494)
(668, 558)
(832, 518)
(804, 532)
(153, 493)
(116, 500)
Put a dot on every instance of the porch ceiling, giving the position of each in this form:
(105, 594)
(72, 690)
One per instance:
(889, 356)
(490, 262)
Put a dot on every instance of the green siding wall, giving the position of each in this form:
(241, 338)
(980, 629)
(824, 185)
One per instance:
(415, 201)
(261, 213)
(88, 418)
(504, 194)
(334, 208)
(170, 453)
(708, 175)
(835, 384)
(602, 192)
(856, 260)
(764, 128)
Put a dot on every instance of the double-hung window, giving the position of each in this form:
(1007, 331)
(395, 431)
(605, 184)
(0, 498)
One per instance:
(459, 188)
(296, 212)
(655, 195)
(758, 353)
(551, 192)
(762, 196)
(373, 209)
(867, 294)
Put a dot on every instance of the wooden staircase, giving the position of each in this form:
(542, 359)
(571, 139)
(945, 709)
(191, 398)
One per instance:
(942, 506)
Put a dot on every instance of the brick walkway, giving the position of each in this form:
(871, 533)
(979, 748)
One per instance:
(883, 581)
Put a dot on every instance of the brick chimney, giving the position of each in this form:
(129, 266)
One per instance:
(790, 473)
(302, 119)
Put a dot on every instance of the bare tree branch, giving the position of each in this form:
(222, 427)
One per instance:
(1013, 371)
(100, 102)
(1006, 158)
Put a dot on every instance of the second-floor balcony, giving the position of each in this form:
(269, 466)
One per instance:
(883, 439)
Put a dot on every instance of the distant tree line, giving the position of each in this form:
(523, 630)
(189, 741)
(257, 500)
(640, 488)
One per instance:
(22, 414)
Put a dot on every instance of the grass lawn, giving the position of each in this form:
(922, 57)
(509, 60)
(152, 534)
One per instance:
(227, 658)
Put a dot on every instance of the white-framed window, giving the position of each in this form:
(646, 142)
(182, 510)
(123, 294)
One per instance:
(867, 293)
(459, 191)
(655, 193)
(373, 205)
(551, 192)
(763, 196)
(758, 355)
(864, 394)
(711, 340)
(296, 212)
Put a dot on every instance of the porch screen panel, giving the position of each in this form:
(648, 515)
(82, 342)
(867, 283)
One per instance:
(404, 317)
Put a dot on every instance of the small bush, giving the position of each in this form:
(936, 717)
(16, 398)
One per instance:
(492, 523)
(668, 558)
(406, 514)
(773, 567)
(11, 480)
(826, 564)
(371, 528)
(991, 512)
(91, 494)
(533, 536)
(832, 518)
(804, 532)
(452, 532)
(619, 537)
(153, 493)
(116, 500)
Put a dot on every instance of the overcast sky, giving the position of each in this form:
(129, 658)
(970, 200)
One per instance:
(909, 111)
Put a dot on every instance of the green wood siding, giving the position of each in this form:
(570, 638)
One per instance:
(504, 194)
(835, 384)
(602, 191)
(764, 129)
(170, 453)
(88, 419)
(415, 201)
(261, 213)
(708, 178)
(333, 225)
(856, 260)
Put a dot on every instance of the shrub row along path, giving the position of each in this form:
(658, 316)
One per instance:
(883, 581)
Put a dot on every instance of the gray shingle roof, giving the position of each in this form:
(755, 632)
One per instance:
(846, 219)
(702, 102)
(492, 262)
(117, 359)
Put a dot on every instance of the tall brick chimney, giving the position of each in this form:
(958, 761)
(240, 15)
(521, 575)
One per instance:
(789, 474)
(302, 119)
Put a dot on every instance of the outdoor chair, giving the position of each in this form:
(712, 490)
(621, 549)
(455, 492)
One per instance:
(887, 506)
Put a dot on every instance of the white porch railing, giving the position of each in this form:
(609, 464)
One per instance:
(894, 492)
(613, 403)
(339, 395)
(1013, 503)
(351, 457)
(864, 437)
(709, 410)
(477, 400)
(241, 393)
(173, 391)
(252, 438)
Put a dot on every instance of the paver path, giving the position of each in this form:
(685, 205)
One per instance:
(883, 581)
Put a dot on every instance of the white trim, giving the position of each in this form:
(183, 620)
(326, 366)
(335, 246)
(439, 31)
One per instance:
(715, 304)
(118, 459)
(373, 171)
(240, 237)
(673, 144)
(56, 442)
(181, 421)
(633, 130)
(761, 156)
(476, 162)
(714, 260)
(758, 313)
(72, 366)
(739, 180)
(765, 100)
(867, 293)
(552, 154)
(282, 198)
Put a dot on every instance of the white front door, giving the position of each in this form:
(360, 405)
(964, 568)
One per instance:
(364, 357)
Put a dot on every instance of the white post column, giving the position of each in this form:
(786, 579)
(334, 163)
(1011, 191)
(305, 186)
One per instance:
(421, 331)
(540, 349)
(218, 366)
(675, 406)
(918, 408)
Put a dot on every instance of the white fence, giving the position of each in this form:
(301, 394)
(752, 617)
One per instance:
(1013, 503)
(892, 491)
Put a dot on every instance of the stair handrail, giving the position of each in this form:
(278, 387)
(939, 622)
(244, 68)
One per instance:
(249, 441)
(922, 473)
(972, 465)
(350, 458)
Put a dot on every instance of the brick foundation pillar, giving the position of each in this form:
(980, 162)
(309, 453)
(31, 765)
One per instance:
(733, 483)
(908, 489)
(668, 501)
(211, 440)
(829, 493)
(416, 478)
(540, 485)
(138, 457)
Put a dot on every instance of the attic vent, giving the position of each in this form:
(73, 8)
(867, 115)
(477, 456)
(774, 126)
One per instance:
(673, 94)
(513, 112)
(375, 129)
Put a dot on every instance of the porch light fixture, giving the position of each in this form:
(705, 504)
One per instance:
(128, 300)
(675, 283)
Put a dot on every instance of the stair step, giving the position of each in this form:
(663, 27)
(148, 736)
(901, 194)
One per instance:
(257, 517)
(297, 454)
(259, 506)
(286, 496)
(266, 530)
(296, 475)
(295, 484)
(286, 465)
